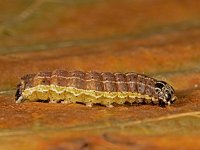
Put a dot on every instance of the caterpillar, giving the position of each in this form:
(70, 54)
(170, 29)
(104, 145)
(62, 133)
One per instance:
(90, 88)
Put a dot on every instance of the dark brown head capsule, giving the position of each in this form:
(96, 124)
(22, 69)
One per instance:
(165, 93)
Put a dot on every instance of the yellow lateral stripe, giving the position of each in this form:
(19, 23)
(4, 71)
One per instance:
(78, 92)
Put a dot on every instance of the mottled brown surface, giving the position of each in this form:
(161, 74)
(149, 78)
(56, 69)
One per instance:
(158, 38)
(98, 81)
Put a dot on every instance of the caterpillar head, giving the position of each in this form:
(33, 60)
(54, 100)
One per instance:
(165, 93)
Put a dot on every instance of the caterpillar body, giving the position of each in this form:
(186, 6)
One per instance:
(90, 88)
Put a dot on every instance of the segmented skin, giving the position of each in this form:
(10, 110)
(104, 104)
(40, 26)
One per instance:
(87, 87)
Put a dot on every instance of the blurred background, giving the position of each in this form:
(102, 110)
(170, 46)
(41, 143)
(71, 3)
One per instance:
(155, 37)
(160, 38)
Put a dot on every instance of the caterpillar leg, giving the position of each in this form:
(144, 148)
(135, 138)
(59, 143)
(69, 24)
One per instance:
(66, 102)
(53, 101)
(89, 104)
(109, 106)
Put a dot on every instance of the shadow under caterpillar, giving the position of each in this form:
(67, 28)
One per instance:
(90, 88)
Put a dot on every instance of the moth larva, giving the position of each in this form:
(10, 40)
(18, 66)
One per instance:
(92, 87)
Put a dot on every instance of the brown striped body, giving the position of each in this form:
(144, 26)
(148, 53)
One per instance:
(127, 87)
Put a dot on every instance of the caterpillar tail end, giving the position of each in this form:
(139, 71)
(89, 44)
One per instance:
(19, 100)
(18, 95)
